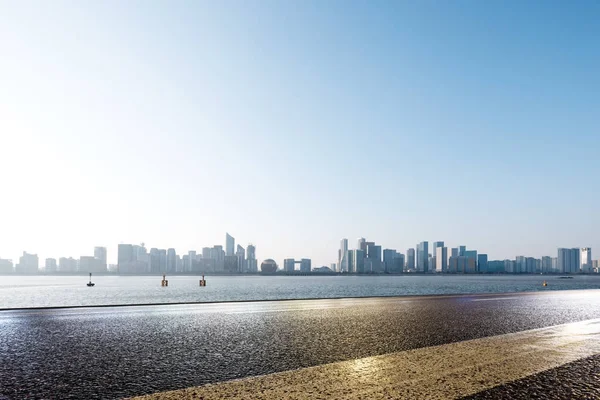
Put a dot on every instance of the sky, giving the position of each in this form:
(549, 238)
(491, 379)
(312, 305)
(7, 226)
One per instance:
(293, 124)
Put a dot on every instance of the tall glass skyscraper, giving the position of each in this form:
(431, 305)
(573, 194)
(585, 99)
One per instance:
(343, 256)
(423, 256)
(229, 245)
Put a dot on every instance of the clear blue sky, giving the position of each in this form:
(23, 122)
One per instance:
(292, 124)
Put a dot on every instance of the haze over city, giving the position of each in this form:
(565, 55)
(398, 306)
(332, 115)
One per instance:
(297, 124)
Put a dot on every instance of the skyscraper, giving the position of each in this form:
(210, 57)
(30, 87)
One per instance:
(441, 259)
(171, 261)
(435, 246)
(461, 250)
(305, 265)
(28, 264)
(362, 244)
(586, 260)
(482, 262)
(343, 260)
(388, 260)
(100, 254)
(568, 260)
(251, 258)
(229, 245)
(423, 256)
(241, 256)
(410, 259)
(358, 259)
(50, 265)
(289, 265)
(124, 257)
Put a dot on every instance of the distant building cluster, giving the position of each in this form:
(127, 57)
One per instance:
(135, 259)
(369, 258)
(30, 264)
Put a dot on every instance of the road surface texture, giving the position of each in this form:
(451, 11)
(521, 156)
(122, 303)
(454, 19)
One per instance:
(527, 345)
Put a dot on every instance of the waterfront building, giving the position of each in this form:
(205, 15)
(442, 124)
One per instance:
(68, 264)
(124, 257)
(28, 264)
(251, 258)
(410, 259)
(586, 260)
(568, 260)
(240, 253)
(6, 266)
(595, 266)
(171, 261)
(555, 264)
(482, 263)
(230, 264)
(388, 259)
(332, 267)
(50, 265)
(546, 266)
(305, 265)
(530, 264)
(362, 244)
(441, 259)
(434, 251)
(343, 253)
(398, 263)
(229, 245)
(358, 260)
(461, 251)
(422, 257)
(289, 265)
(101, 255)
(373, 259)
(521, 265)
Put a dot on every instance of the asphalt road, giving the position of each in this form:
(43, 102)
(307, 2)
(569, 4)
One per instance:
(114, 352)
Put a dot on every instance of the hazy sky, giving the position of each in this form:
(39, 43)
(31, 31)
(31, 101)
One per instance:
(292, 124)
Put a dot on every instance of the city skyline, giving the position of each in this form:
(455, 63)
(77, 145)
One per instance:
(366, 257)
(295, 125)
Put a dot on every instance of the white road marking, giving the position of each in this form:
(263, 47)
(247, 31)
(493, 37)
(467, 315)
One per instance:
(448, 371)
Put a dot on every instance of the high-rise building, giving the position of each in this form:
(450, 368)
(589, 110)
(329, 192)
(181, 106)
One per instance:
(342, 260)
(398, 263)
(410, 259)
(373, 261)
(218, 254)
(521, 264)
(435, 246)
(162, 261)
(547, 264)
(289, 265)
(6, 266)
(482, 263)
(190, 261)
(441, 259)
(50, 265)
(305, 265)
(172, 261)
(595, 266)
(230, 264)
(568, 260)
(388, 260)
(423, 256)
(100, 255)
(251, 256)
(68, 264)
(586, 260)
(358, 261)
(229, 245)
(555, 264)
(461, 250)
(530, 264)
(28, 264)
(333, 267)
(241, 256)
(362, 244)
(124, 257)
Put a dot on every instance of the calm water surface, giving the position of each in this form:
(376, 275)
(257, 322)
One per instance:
(49, 291)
